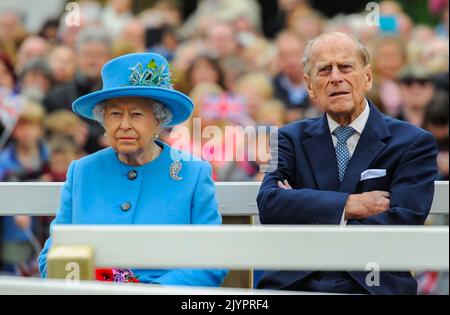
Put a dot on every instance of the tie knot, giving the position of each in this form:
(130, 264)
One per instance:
(342, 133)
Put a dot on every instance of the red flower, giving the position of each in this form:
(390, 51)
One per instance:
(104, 274)
(133, 280)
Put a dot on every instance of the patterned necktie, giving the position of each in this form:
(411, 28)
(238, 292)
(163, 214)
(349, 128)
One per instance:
(342, 133)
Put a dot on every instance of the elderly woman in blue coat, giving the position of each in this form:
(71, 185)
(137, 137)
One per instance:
(139, 179)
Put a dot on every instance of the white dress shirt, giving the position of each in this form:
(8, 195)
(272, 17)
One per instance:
(358, 124)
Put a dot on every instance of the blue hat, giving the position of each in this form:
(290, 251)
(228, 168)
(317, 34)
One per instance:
(141, 75)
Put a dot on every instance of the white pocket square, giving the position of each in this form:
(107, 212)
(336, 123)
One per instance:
(373, 173)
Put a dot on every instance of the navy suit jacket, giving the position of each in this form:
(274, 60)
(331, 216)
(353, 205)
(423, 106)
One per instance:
(306, 158)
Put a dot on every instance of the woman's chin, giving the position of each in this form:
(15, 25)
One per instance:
(124, 149)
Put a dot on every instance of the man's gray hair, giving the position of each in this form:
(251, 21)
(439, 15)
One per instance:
(161, 113)
(361, 49)
(93, 34)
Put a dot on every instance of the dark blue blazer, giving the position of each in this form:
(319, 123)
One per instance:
(306, 158)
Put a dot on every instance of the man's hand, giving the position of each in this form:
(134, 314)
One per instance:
(360, 206)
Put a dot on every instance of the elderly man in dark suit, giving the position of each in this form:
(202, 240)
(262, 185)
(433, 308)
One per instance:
(353, 166)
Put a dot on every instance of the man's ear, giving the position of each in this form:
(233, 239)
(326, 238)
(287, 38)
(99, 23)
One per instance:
(308, 83)
(368, 78)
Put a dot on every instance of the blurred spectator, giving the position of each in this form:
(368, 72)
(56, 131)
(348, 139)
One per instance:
(440, 8)
(388, 58)
(305, 22)
(115, 15)
(162, 12)
(22, 160)
(33, 47)
(49, 31)
(12, 33)
(199, 94)
(271, 113)
(63, 150)
(186, 54)
(25, 157)
(417, 90)
(288, 84)
(436, 122)
(440, 81)
(17, 250)
(7, 75)
(64, 123)
(70, 28)
(221, 41)
(234, 67)
(170, 11)
(131, 39)
(258, 54)
(205, 69)
(278, 21)
(162, 40)
(93, 49)
(36, 79)
(402, 22)
(255, 89)
(210, 11)
(435, 55)
(62, 61)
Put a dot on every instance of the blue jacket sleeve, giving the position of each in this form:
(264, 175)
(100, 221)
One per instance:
(412, 187)
(298, 205)
(63, 216)
(204, 211)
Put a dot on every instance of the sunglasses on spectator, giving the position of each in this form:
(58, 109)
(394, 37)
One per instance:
(411, 81)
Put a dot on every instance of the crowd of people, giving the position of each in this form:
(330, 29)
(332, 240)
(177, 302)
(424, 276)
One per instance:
(235, 73)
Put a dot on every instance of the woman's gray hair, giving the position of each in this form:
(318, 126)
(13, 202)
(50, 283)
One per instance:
(361, 49)
(162, 114)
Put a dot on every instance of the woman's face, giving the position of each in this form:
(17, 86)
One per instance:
(388, 61)
(203, 71)
(130, 124)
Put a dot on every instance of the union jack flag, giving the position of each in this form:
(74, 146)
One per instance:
(11, 107)
(225, 107)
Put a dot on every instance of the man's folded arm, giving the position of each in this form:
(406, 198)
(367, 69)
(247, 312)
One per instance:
(296, 206)
(412, 187)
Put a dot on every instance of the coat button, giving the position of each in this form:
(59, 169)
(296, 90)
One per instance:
(132, 175)
(125, 206)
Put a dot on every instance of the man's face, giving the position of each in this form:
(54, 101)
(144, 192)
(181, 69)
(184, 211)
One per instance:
(91, 57)
(290, 55)
(338, 80)
(221, 40)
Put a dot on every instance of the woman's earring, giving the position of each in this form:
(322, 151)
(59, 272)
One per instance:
(156, 136)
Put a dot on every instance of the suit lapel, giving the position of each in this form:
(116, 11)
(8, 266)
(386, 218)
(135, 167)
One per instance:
(369, 145)
(321, 155)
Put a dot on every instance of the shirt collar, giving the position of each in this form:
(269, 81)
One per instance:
(358, 124)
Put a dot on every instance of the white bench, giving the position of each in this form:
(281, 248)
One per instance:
(246, 247)
(240, 247)
(33, 286)
(234, 198)
(262, 247)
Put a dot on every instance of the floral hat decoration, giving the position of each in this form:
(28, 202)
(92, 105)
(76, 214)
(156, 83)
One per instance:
(141, 75)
